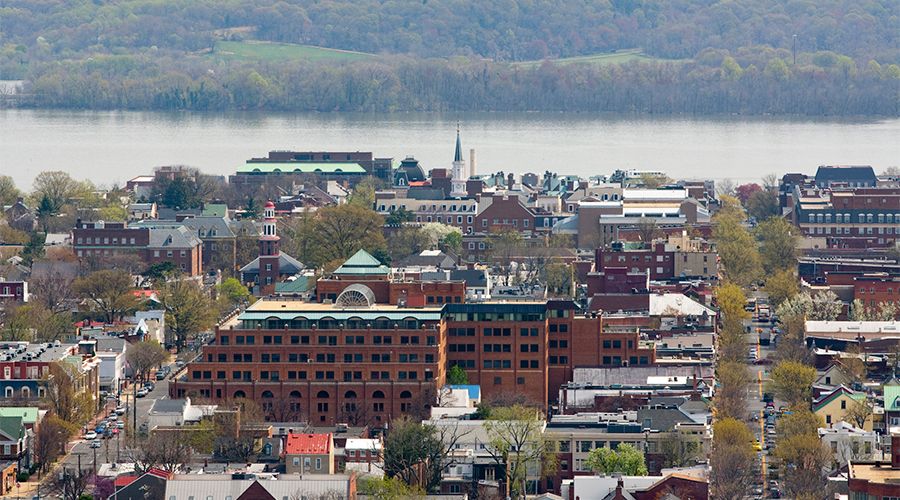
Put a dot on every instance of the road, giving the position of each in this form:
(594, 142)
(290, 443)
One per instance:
(756, 407)
(114, 449)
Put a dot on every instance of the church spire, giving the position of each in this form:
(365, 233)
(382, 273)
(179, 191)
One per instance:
(458, 155)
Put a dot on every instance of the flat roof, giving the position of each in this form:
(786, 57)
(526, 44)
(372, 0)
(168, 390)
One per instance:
(302, 167)
(869, 472)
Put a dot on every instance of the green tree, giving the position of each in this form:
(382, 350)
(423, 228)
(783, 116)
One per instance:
(558, 277)
(781, 285)
(451, 242)
(189, 310)
(457, 376)
(625, 459)
(399, 216)
(408, 241)
(9, 193)
(108, 292)
(731, 460)
(737, 249)
(416, 452)
(807, 459)
(777, 244)
(363, 194)
(56, 187)
(763, 205)
(731, 399)
(233, 292)
(339, 232)
(388, 488)
(144, 356)
(515, 435)
(792, 382)
(34, 248)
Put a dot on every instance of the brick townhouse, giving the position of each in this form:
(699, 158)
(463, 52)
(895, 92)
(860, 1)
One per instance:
(161, 243)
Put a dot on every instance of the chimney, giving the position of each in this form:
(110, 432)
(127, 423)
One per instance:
(895, 450)
(472, 163)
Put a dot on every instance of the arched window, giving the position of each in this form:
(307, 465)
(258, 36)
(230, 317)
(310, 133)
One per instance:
(26, 392)
(378, 395)
(296, 394)
(267, 395)
(239, 394)
(350, 395)
(405, 395)
(9, 392)
(323, 395)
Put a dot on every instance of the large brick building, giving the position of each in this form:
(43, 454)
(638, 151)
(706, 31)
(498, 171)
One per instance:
(367, 356)
(161, 243)
(849, 217)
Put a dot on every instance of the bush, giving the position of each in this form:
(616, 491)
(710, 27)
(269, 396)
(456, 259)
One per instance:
(22, 477)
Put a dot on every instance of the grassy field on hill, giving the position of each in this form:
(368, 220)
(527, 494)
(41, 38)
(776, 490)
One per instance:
(273, 52)
(618, 57)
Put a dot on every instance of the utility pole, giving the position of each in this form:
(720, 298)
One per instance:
(794, 50)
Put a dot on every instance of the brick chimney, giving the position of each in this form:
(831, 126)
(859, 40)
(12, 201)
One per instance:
(895, 450)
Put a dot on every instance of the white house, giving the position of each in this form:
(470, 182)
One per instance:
(847, 442)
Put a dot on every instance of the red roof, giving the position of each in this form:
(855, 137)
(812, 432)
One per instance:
(143, 293)
(124, 480)
(308, 444)
(269, 204)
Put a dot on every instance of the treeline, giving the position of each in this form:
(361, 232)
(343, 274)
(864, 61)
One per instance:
(760, 82)
(503, 30)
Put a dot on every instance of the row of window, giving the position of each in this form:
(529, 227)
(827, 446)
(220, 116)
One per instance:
(433, 208)
(97, 241)
(860, 218)
(848, 230)
(862, 291)
(326, 340)
(497, 316)
(274, 375)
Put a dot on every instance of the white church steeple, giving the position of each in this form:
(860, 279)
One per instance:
(458, 173)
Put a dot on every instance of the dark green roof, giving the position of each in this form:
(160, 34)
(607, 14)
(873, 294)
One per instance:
(334, 167)
(299, 285)
(12, 427)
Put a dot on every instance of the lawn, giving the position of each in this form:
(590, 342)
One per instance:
(271, 51)
(618, 57)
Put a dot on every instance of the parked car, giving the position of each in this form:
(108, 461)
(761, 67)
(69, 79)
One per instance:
(95, 443)
(90, 436)
(141, 393)
(120, 425)
(120, 410)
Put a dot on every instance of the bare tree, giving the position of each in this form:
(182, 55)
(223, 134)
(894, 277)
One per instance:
(517, 443)
(50, 440)
(144, 356)
(647, 229)
(168, 451)
(72, 483)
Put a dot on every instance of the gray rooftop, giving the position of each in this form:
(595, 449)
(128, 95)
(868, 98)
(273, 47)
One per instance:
(166, 405)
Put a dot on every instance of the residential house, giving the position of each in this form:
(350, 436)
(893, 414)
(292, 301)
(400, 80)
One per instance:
(834, 406)
(111, 351)
(13, 291)
(848, 443)
(309, 454)
(14, 441)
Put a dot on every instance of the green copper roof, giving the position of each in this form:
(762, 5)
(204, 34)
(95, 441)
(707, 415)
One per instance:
(28, 414)
(362, 263)
(299, 285)
(333, 167)
(892, 397)
(215, 210)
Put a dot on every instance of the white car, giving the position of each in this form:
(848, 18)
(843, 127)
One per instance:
(90, 436)
(95, 443)
(120, 425)
(120, 410)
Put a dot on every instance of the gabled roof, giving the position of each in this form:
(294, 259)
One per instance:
(362, 262)
(286, 265)
(12, 427)
(835, 394)
(308, 444)
(172, 237)
(892, 396)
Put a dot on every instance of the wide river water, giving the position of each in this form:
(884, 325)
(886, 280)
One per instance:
(112, 147)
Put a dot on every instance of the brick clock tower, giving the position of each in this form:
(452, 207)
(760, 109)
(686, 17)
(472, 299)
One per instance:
(268, 252)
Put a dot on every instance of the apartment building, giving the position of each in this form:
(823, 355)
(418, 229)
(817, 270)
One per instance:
(153, 245)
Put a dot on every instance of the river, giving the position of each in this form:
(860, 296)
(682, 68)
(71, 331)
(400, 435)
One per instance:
(112, 147)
